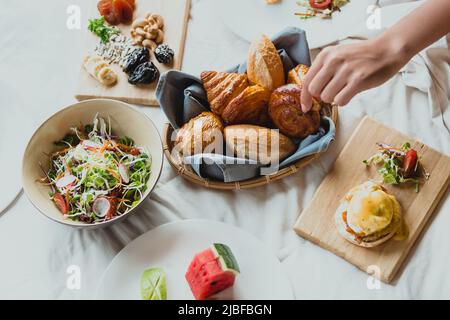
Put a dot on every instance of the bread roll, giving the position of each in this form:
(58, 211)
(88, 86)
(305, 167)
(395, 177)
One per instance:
(264, 65)
(256, 143)
(249, 107)
(285, 110)
(222, 87)
(203, 131)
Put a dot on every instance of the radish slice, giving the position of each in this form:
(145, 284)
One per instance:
(124, 173)
(66, 181)
(90, 145)
(101, 207)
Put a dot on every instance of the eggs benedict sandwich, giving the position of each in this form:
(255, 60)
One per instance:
(369, 216)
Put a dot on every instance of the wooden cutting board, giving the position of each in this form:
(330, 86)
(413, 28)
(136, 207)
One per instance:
(176, 16)
(316, 222)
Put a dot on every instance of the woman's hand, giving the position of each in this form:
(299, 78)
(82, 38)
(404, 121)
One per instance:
(340, 72)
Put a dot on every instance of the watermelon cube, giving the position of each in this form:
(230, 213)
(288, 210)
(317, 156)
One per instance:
(211, 271)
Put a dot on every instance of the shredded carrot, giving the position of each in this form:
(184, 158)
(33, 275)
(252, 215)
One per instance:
(113, 173)
(304, 14)
(67, 199)
(61, 152)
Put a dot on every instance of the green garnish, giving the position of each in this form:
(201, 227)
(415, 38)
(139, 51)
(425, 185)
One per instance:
(127, 141)
(308, 11)
(394, 163)
(69, 139)
(103, 31)
(406, 146)
(153, 284)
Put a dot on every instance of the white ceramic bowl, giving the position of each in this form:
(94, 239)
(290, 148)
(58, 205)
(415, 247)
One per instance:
(125, 120)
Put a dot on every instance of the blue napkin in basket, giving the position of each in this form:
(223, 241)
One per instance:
(182, 97)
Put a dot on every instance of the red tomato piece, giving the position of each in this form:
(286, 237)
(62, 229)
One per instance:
(409, 163)
(60, 203)
(321, 5)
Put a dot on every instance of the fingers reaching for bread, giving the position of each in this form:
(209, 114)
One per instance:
(285, 110)
(297, 74)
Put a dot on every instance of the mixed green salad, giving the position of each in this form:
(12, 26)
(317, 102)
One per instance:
(320, 8)
(398, 165)
(97, 176)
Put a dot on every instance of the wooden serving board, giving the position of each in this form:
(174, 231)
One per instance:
(176, 16)
(316, 222)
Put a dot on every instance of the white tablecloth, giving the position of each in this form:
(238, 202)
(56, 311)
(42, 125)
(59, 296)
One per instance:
(39, 61)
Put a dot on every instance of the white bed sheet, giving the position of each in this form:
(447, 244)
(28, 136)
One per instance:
(35, 252)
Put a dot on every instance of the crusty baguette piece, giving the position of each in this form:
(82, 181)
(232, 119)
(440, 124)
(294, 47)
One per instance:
(201, 132)
(256, 143)
(264, 65)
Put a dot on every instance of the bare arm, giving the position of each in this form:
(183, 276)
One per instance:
(340, 72)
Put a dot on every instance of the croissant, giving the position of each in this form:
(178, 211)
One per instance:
(286, 112)
(248, 107)
(221, 88)
(297, 74)
(202, 131)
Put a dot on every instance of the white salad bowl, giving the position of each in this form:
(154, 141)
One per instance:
(125, 120)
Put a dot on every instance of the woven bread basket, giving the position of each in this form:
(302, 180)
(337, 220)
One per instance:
(187, 173)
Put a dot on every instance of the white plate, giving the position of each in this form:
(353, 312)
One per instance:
(251, 18)
(172, 247)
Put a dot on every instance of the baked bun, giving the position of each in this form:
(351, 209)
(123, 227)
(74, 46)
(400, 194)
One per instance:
(248, 107)
(368, 216)
(296, 75)
(264, 65)
(256, 143)
(222, 87)
(285, 110)
(202, 131)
